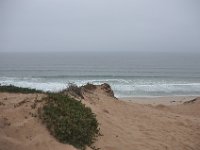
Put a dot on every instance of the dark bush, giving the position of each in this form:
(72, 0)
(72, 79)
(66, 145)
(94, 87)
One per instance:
(89, 86)
(69, 120)
(74, 90)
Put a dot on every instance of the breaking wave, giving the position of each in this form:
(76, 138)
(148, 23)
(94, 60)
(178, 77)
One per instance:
(126, 87)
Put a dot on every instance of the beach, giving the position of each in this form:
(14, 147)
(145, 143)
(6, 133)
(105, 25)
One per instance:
(99, 75)
(159, 100)
(171, 123)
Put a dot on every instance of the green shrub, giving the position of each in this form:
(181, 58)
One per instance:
(69, 120)
(14, 89)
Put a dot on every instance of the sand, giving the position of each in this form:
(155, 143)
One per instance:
(20, 129)
(163, 100)
(125, 124)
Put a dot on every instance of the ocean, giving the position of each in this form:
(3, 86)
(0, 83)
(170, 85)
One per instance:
(130, 74)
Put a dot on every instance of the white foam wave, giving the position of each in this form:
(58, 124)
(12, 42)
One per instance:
(121, 87)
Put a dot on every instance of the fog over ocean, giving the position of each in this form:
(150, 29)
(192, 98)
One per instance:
(129, 73)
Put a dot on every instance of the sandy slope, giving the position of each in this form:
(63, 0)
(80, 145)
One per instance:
(124, 125)
(131, 126)
(19, 129)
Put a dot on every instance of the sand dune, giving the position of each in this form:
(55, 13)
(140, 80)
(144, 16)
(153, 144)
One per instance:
(20, 129)
(131, 126)
(124, 125)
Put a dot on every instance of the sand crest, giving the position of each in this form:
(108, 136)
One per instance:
(132, 126)
(124, 125)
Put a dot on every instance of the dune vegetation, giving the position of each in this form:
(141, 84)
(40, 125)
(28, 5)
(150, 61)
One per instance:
(67, 119)
(14, 89)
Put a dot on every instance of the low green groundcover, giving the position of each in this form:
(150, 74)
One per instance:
(69, 120)
(15, 89)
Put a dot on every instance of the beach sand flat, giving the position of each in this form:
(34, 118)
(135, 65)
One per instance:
(131, 124)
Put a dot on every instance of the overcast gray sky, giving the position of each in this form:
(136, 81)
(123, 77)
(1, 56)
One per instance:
(99, 25)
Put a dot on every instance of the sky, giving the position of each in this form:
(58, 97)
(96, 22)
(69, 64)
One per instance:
(99, 25)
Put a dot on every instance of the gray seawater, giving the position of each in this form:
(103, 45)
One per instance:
(129, 73)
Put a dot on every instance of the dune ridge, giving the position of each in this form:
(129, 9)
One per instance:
(124, 124)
